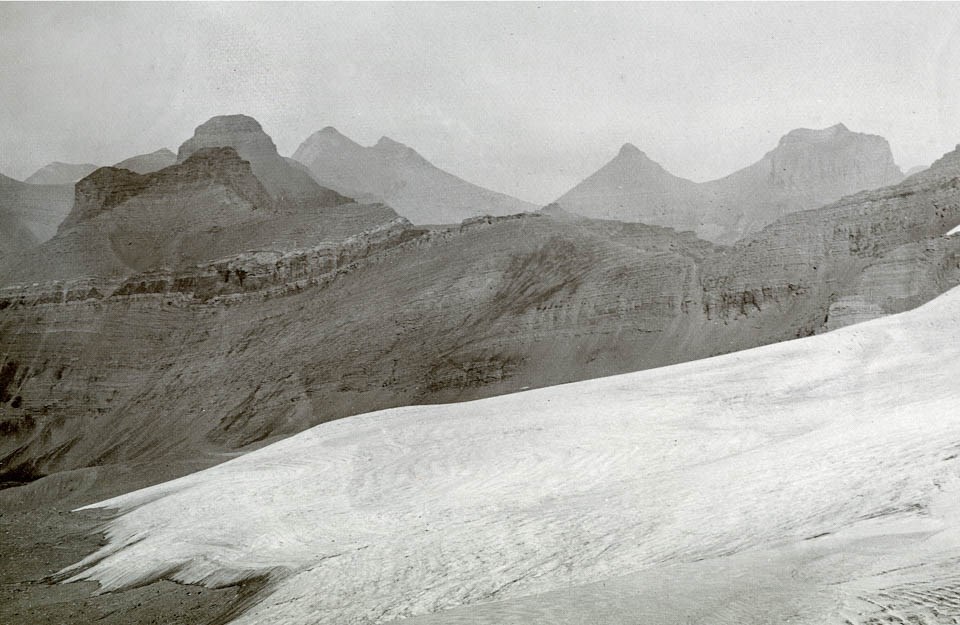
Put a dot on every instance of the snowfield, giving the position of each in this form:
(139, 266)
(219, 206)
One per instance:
(815, 481)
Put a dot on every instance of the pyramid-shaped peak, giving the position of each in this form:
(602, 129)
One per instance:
(241, 132)
(628, 149)
(329, 136)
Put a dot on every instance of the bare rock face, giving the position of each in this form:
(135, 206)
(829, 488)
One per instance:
(109, 187)
(60, 173)
(148, 163)
(879, 251)
(808, 168)
(491, 306)
(398, 175)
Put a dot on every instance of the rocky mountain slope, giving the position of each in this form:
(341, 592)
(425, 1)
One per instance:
(148, 163)
(397, 175)
(60, 173)
(445, 314)
(808, 168)
(811, 482)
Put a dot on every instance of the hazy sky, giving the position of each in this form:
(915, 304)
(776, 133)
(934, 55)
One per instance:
(527, 99)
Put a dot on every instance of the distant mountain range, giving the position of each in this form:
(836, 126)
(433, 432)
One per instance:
(807, 169)
(212, 202)
(397, 175)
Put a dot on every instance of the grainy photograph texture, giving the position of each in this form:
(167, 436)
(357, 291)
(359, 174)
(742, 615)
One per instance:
(479, 314)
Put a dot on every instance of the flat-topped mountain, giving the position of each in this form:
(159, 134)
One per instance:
(284, 182)
(808, 168)
(60, 173)
(396, 174)
(150, 162)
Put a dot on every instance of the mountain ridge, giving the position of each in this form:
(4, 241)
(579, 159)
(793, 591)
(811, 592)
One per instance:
(808, 168)
(401, 177)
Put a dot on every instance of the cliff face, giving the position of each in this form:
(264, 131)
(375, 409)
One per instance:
(809, 168)
(396, 174)
(109, 187)
(881, 251)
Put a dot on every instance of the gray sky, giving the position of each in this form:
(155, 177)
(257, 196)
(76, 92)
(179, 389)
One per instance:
(527, 99)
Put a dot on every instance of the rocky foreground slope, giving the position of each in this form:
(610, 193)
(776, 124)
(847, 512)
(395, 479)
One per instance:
(807, 169)
(397, 175)
(808, 482)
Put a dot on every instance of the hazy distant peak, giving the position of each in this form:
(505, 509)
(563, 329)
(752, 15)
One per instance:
(59, 172)
(819, 135)
(394, 149)
(241, 132)
(386, 143)
(150, 162)
(329, 137)
(629, 149)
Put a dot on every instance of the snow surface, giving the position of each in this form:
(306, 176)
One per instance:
(813, 481)
(955, 230)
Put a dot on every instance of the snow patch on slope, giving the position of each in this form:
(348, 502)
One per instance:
(416, 510)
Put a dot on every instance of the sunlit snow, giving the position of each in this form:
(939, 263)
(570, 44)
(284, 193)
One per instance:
(825, 467)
